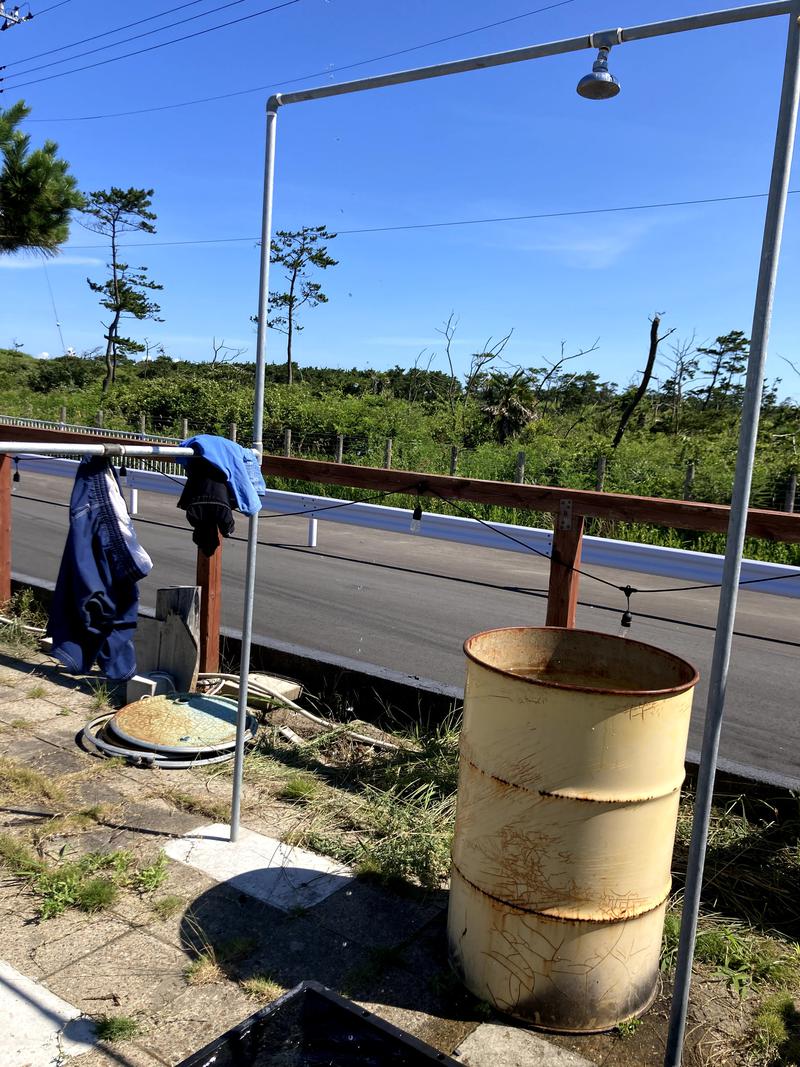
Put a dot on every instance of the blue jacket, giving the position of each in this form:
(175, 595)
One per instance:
(239, 465)
(95, 605)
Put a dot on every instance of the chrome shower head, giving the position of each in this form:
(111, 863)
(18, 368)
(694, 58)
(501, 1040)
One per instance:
(599, 85)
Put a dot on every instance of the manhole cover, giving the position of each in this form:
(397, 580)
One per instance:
(180, 722)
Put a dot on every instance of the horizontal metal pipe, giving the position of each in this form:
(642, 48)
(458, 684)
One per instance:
(35, 448)
(539, 51)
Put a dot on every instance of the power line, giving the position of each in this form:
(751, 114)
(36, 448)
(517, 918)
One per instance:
(53, 7)
(461, 222)
(307, 77)
(126, 40)
(163, 44)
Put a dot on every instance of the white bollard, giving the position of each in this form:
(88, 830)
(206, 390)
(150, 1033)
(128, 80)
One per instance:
(134, 504)
(312, 532)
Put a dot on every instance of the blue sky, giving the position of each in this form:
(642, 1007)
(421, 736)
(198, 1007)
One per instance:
(695, 119)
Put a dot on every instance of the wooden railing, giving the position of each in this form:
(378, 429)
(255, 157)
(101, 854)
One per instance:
(569, 508)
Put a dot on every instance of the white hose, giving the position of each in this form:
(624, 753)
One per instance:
(259, 689)
(22, 625)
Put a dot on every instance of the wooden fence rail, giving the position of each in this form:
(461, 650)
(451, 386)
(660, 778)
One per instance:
(568, 506)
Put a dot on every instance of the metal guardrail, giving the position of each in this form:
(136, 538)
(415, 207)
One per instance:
(680, 564)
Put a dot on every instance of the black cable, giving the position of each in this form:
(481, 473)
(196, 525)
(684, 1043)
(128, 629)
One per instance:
(125, 40)
(97, 36)
(304, 77)
(458, 222)
(52, 7)
(162, 44)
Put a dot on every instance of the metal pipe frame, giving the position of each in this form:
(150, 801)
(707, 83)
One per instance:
(776, 206)
(36, 448)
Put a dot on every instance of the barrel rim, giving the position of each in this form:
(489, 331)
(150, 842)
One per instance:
(553, 684)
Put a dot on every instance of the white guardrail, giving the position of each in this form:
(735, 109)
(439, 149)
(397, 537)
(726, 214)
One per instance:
(680, 564)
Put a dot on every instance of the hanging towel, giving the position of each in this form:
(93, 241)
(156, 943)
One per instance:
(208, 501)
(96, 600)
(239, 465)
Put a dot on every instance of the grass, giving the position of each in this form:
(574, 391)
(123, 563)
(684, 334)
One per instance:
(23, 610)
(299, 789)
(101, 697)
(776, 1031)
(261, 988)
(216, 810)
(167, 906)
(628, 1028)
(18, 782)
(205, 970)
(114, 1028)
(36, 692)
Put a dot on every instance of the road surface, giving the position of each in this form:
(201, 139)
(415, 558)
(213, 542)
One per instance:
(407, 603)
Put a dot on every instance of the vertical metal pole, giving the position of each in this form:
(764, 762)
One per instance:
(312, 532)
(258, 448)
(715, 708)
(791, 492)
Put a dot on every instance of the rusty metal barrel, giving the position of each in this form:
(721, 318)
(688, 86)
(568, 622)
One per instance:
(571, 762)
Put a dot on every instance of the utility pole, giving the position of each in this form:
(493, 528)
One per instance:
(13, 17)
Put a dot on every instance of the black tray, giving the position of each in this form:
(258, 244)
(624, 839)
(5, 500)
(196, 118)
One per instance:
(311, 1026)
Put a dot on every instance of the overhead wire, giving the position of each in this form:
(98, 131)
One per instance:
(126, 40)
(309, 77)
(52, 7)
(161, 44)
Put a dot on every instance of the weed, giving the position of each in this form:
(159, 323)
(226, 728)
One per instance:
(669, 941)
(148, 879)
(18, 782)
(101, 697)
(96, 894)
(192, 804)
(20, 635)
(776, 1031)
(19, 724)
(204, 970)
(65, 711)
(36, 692)
(261, 988)
(17, 858)
(116, 1028)
(300, 789)
(628, 1028)
(167, 906)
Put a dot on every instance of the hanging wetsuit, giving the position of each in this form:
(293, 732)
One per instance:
(96, 600)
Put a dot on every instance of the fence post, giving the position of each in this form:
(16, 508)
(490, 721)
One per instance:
(565, 556)
(184, 429)
(519, 473)
(387, 454)
(791, 492)
(453, 460)
(339, 447)
(600, 480)
(688, 482)
(5, 528)
(62, 416)
(142, 423)
(233, 429)
(287, 441)
(312, 532)
(209, 578)
(100, 419)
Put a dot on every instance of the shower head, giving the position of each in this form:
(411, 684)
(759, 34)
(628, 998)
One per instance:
(599, 85)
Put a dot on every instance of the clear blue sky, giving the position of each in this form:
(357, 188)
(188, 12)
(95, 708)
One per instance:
(695, 119)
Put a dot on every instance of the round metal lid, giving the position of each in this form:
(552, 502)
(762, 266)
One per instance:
(180, 722)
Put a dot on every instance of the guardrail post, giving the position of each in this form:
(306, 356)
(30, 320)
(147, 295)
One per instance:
(791, 492)
(287, 441)
(312, 532)
(565, 557)
(209, 578)
(5, 529)
(100, 419)
(600, 480)
(688, 482)
(453, 460)
(184, 429)
(142, 424)
(387, 454)
(62, 415)
(519, 473)
(339, 448)
(233, 429)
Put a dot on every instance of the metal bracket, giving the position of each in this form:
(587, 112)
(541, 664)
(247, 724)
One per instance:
(565, 515)
(605, 38)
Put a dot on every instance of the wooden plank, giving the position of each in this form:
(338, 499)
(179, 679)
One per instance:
(675, 514)
(562, 595)
(209, 578)
(5, 528)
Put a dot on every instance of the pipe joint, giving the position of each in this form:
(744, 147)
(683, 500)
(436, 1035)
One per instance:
(605, 38)
(274, 102)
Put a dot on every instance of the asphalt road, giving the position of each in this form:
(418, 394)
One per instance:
(405, 604)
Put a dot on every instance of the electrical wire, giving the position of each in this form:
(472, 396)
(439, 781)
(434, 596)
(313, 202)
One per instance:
(162, 44)
(52, 7)
(307, 77)
(125, 40)
(459, 222)
(97, 36)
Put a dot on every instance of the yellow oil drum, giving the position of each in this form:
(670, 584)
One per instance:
(571, 762)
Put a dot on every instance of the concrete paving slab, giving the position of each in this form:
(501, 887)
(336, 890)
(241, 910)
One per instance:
(492, 1044)
(39, 1029)
(443, 1034)
(195, 1018)
(376, 916)
(123, 1054)
(280, 875)
(41, 948)
(31, 712)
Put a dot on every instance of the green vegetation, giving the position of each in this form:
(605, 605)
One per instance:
(20, 634)
(216, 810)
(167, 906)
(563, 420)
(262, 988)
(116, 1028)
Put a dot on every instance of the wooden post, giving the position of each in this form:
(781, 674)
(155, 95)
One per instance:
(339, 447)
(233, 429)
(453, 460)
(562, 595)
(600, 481)
(184, 429)
(791, 492)
(287, 441)
(387, 454)
(100, 419)
(62, 417)
(688, 482)
(519, 473)
(209, 578)
(142, 424)
(5, 529)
